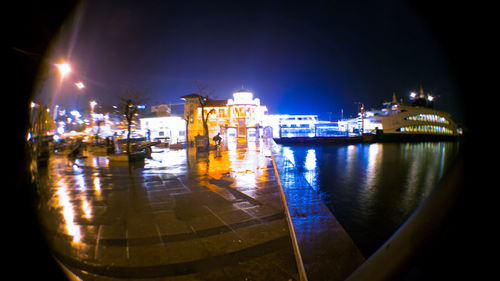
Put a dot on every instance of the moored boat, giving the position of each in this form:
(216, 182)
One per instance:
(397, 121)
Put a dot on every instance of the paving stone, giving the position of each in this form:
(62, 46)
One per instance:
(221, 218)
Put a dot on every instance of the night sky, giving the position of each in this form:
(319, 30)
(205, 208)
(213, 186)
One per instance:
(309, 57)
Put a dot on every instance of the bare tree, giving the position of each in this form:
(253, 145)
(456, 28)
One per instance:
(204, 92)
(132, 98)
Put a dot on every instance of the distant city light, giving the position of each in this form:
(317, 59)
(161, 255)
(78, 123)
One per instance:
(413, 95)
(430, 98)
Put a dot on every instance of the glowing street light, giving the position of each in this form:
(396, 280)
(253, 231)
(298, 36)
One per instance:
(79, 85)
(63, 68)
(92, 105)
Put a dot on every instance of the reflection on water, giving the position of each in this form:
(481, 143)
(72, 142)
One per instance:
(310, 168)
(371, 189)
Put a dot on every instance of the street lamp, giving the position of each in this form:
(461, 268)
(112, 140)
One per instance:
(64, 68)
(92, 104)
(79, 85)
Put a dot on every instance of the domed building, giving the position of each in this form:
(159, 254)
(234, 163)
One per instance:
(239, 117)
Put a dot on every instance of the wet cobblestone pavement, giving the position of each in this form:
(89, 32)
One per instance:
(179, 216)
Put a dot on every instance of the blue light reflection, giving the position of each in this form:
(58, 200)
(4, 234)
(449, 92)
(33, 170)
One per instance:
(371, 189)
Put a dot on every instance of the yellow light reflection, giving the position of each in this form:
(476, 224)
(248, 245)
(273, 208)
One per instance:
(244, 164)
(100, 161)
(86, 209)
(67, 211)
(97, 185)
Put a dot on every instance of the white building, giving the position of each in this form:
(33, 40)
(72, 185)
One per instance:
(172, 127)
(286, 125)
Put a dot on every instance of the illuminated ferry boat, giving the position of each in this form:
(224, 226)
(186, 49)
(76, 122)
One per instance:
(397, 121)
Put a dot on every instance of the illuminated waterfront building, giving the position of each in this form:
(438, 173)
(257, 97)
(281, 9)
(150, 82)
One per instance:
(171, 127)
(242, 116)
(287, 125)
(161, 124)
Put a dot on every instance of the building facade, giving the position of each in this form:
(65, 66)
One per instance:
(288, 125)
(172, 128)
(239, 117)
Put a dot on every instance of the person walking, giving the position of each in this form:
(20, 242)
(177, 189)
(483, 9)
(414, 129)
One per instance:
(217, 139)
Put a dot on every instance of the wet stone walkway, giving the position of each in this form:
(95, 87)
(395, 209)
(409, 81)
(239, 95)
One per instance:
(178, 216)
(327, 251)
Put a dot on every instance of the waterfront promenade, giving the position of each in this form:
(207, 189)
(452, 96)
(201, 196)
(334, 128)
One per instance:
(180, 216)
(327, 251)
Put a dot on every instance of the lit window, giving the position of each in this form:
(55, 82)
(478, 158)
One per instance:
(428, 118)
(430, 129)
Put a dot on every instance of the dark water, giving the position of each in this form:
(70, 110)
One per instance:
(372, 189)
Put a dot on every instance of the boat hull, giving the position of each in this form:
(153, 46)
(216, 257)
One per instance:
(387, 137)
